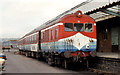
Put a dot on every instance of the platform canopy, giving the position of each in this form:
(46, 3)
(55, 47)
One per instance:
(105, 12)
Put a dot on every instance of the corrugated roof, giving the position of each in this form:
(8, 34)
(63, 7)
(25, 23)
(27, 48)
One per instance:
(105, 12)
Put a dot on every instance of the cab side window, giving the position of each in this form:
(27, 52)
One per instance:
(88, 27)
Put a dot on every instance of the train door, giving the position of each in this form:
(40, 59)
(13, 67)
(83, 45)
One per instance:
(39, 41)
(115, 39)
(108, 35)
(104, 38)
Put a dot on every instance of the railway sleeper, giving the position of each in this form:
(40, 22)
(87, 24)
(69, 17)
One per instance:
(107, 64)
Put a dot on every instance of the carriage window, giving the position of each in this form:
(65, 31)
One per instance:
(52, 35)
(88, 27)
(68, 27)
(56, 33)
(35, 39)
(78, 27)
(32, 39)
(26, 40)
(41, 37)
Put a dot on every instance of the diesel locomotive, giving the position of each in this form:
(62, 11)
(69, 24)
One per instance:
(72, 38)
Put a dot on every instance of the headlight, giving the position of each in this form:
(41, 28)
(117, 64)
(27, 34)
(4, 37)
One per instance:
(87, 46)
(79, 13)
(91, 40)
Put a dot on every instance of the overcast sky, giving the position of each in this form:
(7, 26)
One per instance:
(18, 17)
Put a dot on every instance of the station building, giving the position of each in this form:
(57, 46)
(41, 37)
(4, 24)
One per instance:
(8, 44)
(108, 29)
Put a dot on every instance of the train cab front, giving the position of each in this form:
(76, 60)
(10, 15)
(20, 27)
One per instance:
(79, 36)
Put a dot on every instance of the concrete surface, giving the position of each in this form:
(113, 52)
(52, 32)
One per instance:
(108, 54)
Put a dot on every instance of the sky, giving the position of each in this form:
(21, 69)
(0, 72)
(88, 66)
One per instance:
(18, 17)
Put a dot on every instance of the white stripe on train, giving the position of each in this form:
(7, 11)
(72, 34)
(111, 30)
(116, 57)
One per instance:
(79, 40)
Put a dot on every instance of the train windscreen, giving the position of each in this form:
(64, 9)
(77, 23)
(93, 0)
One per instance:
(78, 27)
(88, 27)
(68, 27)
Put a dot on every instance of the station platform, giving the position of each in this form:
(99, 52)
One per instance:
(115, 55)
(107, 61)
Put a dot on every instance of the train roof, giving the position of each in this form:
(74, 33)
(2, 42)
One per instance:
(53, 21)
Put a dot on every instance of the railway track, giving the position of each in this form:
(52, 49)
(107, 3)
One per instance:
(98, 65)
(109, 65)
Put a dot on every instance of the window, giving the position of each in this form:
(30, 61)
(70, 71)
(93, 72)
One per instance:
(68, 27)
(51, 34)
(78, 27)
(88, 27)
(56, 32)
(32, 39)
(105, 32)
(26, 41)
(41, 37)
(35, 39)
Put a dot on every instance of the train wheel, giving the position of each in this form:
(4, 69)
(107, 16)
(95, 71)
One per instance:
(87, 64)
(33, 55)
(30, 54)
(39, 56)
(21, 53)
(65, 64)
(26, 54)
(49, 61)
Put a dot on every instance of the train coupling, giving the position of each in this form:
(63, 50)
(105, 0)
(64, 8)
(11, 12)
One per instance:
(79, 58)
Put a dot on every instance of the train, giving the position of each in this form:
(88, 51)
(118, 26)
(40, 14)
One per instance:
(72, 38)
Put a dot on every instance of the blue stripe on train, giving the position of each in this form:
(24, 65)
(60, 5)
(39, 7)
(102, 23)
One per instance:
(84, 50)
(73, 50)
(64, 46)
(60, 50)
